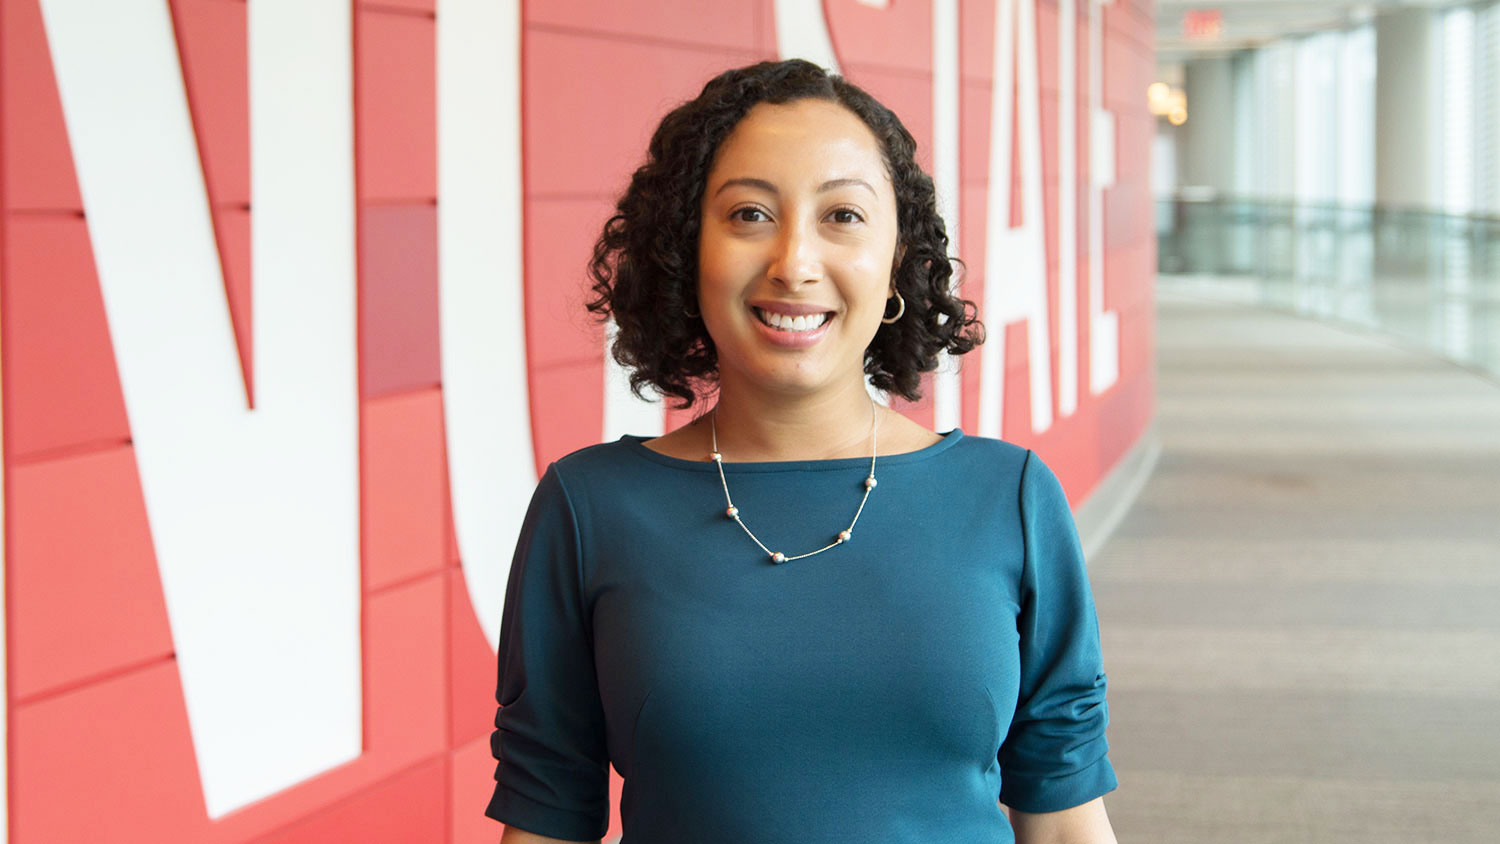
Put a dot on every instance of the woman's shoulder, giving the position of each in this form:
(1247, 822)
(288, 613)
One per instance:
(990, 453)
(986, 471)
(683, 443)
(611, 457)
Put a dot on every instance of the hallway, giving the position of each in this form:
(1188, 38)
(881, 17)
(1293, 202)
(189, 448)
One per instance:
(1301, 613)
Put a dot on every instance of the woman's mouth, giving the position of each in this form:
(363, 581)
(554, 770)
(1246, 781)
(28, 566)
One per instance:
(784, 322)
(792, 332)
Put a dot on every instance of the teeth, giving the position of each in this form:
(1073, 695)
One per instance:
(783, 322)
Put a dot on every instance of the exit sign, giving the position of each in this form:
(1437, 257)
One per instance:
(1202, 24)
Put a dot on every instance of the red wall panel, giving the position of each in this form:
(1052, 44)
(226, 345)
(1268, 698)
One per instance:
(37, 158)
(404, 488)
(398, 298)
(406, 672)
(736, 26)
(559, 241)
(409, 807)
(910, 97)
(471, 714)
(571, 398)
(584, 140)
(897, 37)
(127, 778)
(80, 550)
(471, 772)
(395, 88)
(420, 7)
(61, 389)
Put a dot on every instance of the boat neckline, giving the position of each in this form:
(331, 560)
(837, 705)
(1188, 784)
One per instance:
(637, 444)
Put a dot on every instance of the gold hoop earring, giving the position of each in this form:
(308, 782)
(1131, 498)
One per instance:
(900, 309)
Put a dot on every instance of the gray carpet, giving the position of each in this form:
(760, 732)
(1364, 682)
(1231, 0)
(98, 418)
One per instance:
(1301, 613)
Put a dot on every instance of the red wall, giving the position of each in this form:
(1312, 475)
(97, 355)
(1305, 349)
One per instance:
(99, 743)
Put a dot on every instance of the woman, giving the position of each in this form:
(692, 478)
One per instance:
(801, 617)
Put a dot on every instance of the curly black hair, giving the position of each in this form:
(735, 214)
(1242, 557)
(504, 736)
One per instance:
(645, 263)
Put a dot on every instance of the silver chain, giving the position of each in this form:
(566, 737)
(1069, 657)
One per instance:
(733, 512)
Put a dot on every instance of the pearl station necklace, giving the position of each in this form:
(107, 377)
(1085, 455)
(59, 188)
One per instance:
(733, 512)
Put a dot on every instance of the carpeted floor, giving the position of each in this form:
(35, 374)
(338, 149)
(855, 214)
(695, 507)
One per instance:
(1301, 613)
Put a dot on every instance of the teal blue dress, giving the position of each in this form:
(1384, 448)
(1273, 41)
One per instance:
(895, 689)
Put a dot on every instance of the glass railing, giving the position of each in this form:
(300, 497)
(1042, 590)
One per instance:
(1430, 280)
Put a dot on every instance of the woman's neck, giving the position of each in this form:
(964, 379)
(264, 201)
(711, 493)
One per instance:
(756, 426)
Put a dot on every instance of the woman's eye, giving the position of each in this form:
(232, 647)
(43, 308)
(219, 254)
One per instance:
(747, 215)
(846, 215)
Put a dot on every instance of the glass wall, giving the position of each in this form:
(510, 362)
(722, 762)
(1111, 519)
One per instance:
(1303, 227)
(1487, 109)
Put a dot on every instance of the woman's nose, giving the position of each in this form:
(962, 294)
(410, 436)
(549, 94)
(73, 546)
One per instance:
(797, 260)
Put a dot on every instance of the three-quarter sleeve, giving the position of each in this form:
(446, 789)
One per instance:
(553, 773)
(1054, 756)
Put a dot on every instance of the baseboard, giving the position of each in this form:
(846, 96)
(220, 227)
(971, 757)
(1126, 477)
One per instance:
(1099, 514)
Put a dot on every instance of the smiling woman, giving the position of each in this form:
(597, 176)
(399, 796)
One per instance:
(940, 655)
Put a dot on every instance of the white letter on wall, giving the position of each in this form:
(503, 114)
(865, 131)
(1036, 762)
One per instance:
(1067, 206)
(4, 625)
(624, 413)
(1104, 326)
(254, 514)
(491, 467)
(947, 390)
(802, 33)
(1015, 266)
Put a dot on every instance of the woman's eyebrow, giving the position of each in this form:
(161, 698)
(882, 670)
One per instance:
(832, 184)
(762, 184)
(758, 184)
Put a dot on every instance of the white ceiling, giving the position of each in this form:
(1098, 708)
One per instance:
(1251, 23)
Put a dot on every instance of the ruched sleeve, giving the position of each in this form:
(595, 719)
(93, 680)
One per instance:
(1054, 756)
(553, 773)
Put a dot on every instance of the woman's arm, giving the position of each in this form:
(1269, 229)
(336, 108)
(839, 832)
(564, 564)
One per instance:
(1086, 824)
(549, 738)
(513, 835)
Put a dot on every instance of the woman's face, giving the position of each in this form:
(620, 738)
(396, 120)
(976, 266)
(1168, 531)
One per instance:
(797, 248)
